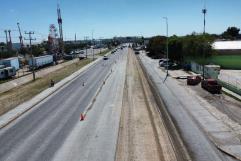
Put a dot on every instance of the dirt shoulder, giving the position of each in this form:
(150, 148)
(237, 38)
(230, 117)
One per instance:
(142, 135)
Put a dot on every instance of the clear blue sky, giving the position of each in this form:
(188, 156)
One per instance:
(110, 18)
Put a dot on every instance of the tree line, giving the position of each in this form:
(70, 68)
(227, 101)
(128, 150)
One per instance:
(184, 48)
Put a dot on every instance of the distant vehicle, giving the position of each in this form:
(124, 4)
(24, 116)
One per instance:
(68, 57)
(137, 48)
(212, 86)
(174, 66)
(73, 53)
(11, 62)
(81, 56)
(112, 52)
(187, 67)
(166, 63)
(7, 72)
(161, 60)
(41, 61)
(105, 58)
(193, 80)
(81, 52)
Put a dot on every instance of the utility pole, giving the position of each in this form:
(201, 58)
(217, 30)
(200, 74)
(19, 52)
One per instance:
(167, 50)
(86, 39)
(93, 44)
(31, 51)
(61, 39)
(75, 44)
(20, 35)
(10, 40)
(100, 41)
(6, 33)
(204, 11)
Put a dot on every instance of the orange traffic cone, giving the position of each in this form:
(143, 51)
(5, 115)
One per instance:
(82, 117)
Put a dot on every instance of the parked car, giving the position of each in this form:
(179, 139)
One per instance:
(81, 56)
(161, 60)
(212, 86)
(174, 66)
(166, 63)
(193, 80)
(68, 57)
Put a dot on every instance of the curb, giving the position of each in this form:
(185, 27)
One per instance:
(12, 115)
(230, 94)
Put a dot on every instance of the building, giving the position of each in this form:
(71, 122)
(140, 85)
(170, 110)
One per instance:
(227, 47)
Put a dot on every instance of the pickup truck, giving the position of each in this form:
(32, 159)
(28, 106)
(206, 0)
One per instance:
(212, 86)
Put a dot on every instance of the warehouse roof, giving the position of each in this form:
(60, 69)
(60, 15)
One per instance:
(227, 45)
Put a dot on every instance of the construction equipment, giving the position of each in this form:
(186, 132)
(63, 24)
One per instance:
(20, 36)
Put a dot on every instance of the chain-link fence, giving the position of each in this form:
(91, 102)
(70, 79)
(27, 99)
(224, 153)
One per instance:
(230, 79)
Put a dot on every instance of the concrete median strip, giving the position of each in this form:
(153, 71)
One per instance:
(12, 115)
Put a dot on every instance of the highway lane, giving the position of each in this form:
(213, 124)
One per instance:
(95, 138)
(38, 134)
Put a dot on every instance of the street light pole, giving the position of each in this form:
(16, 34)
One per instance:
(167, 50)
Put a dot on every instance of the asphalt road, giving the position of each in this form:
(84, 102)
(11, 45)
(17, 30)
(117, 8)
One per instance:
(40, 133)
(195, 139)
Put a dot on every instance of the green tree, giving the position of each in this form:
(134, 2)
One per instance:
(156, 47)
(37, 50)
(192, 46)
(231, 33)
(176, 48)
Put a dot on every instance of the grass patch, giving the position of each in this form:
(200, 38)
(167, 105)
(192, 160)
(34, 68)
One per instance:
(4, 80)
(21, 94)
(225, 61)
(103, 53)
